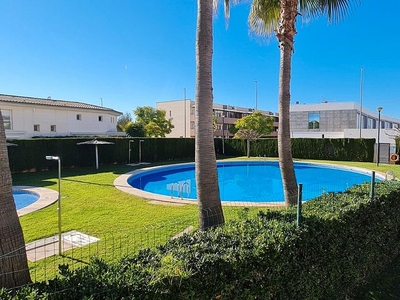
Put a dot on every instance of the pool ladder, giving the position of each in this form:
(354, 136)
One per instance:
(181, 188)
(391, 173)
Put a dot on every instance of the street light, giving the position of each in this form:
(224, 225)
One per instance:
(379, 130)
(48, 157)
(255, 81)
(140, 151)
(129, 157)
(223, 135)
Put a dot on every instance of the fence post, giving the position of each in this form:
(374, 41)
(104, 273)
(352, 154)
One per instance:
(299, 200)
(372, 186)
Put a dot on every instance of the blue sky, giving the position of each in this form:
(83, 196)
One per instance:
(135, 53)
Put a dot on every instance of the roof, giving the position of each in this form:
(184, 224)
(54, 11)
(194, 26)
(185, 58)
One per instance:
(53, 102)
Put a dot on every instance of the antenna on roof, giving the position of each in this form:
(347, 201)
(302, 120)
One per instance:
(101, 101)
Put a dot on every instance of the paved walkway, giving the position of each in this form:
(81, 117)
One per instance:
(47, 247)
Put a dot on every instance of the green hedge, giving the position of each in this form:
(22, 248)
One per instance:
(345, 238)
(325, 149)
(29, 155)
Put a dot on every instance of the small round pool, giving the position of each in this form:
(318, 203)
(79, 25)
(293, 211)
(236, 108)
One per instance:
(249, 181)
(24, 198)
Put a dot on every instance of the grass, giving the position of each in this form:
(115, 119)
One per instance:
(124, 223)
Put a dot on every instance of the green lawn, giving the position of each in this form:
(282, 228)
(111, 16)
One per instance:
(124, 223)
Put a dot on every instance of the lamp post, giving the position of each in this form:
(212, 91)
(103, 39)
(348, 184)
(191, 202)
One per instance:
(379, 130)
(140, 151)
(184, 113)
(256, 83)
(59, 200)
(129, 155)
(223, 135)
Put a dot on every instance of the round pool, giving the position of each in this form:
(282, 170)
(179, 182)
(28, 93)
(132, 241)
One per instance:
(24, 198)
(248, 181)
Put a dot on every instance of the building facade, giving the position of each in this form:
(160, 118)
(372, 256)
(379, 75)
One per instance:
(182, 113)
(340, 120)
(27, 117)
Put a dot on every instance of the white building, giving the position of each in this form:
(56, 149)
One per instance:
(182, 113)
(26, 117)
(340, 120)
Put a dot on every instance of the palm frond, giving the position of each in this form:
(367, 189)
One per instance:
(264, 16)
(334, 10)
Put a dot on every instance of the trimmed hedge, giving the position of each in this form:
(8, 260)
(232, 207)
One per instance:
(345, 239)
(29, 155)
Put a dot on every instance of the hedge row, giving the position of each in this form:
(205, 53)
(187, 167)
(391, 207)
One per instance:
(344, 239)
(29, 155)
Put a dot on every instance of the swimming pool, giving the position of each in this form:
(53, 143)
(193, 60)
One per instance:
(24, 198)
(249, 181)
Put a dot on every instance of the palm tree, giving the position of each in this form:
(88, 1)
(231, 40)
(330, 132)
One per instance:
(279, 16)
(14, 270)
(210, 208)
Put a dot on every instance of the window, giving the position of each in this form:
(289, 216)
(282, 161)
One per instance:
(100, 118)
(79, 117)
(6, 118)
(313, 121)
(112, 119)
(53, 128)
(36, 127)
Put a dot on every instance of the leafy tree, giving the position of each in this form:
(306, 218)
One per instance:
(278, 17)
(14, 271)
(253, 127)
(124, 121)
(136, 130)
(154, 121)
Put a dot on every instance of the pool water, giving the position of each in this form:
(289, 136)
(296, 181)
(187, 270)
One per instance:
(24, 198)
(249, 181)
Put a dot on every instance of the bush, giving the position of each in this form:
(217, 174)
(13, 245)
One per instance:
(345, 238)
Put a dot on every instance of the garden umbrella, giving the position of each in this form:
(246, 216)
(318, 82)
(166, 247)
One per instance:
(95, 143)
(10, 144)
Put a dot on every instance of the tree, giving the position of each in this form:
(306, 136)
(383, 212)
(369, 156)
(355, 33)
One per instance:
(136, 130)
(123, 122)
(208, 197)
(279, 17)
(253, 127)
(154, 121)
(14, 271)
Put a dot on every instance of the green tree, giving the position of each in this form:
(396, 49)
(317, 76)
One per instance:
(14, 271)
(135, 130)
(208, 197)
(279, 17)
(123, 122)
(253, 127)
(154, 121)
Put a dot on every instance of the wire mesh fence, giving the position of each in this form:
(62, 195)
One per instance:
(79, 246)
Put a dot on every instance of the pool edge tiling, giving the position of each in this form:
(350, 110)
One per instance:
(122, 184)
(46, 198)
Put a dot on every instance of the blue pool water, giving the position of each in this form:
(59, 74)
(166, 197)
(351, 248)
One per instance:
(249, 181)
(24, 198)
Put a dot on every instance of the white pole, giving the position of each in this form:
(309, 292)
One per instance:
(97, 157)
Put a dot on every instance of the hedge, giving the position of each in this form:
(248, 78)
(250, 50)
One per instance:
(30, 154)
(345, 238)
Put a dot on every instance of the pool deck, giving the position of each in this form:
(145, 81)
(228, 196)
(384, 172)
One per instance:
(46, 198)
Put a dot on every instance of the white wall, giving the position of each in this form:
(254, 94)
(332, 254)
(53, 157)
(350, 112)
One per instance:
(23, 118)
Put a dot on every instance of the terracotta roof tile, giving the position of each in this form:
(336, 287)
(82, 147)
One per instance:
(52, 102)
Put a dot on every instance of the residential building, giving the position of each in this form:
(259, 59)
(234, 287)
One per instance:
(26, 117)
(182, 113)
(341, 120)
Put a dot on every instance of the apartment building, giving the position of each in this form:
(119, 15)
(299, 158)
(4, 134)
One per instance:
(182, 113)
(27, 117)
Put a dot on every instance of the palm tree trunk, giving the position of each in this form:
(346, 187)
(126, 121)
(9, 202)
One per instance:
(14, 270)
(210, 208)
(285, 36)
